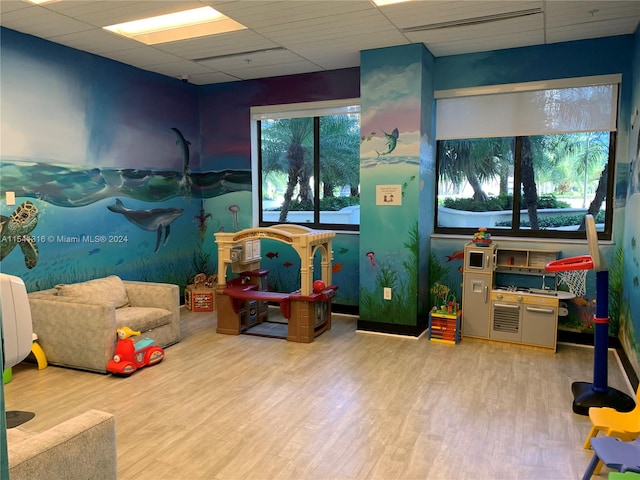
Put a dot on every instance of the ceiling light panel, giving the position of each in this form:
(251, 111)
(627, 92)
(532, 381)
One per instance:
(382, 3)
(111, 12)
(186, 24)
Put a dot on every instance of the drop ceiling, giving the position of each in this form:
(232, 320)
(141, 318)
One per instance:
(292, 37)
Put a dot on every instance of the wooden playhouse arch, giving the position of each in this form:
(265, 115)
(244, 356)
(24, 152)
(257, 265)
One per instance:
(241, 250)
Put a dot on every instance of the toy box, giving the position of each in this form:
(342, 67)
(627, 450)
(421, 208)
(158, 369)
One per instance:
(199, 298)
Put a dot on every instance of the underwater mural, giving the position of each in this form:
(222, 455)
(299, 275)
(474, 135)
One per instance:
(107, 179)
(130, 172)
(629, 252)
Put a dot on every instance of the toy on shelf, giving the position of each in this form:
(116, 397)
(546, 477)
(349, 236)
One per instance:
(199, 278)
(444, 299)
(482, 238)
(129, 356)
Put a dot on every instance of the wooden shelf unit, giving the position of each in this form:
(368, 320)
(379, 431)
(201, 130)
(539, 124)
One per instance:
(524, 261)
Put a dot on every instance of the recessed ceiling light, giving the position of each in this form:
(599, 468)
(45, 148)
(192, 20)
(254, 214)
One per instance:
(197, 22)
(381, 3)
(39, 2)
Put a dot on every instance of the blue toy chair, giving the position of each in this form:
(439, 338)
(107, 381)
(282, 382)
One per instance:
(614, 453)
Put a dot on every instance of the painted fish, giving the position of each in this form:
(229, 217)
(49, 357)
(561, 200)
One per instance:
(580, 301)
(271, 255)
(336, 267)
(287, 264)
(392, 141)
(457, 255)
(155, 219)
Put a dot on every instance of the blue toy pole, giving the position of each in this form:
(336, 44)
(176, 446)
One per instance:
(601, 332)
(596, 394)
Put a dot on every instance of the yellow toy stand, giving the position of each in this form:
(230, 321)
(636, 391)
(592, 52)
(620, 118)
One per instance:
(38, 353)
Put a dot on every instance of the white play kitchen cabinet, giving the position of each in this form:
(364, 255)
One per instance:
(522, 307)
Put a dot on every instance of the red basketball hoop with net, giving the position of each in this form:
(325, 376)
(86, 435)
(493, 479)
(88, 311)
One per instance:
(572, 272)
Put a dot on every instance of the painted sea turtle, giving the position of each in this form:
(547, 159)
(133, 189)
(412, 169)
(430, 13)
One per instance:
(15, 230)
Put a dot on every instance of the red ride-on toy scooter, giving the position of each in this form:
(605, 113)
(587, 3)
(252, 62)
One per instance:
(129, 356)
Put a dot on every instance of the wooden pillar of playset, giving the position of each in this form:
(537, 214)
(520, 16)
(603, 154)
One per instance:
(228, 319)
(308, 319)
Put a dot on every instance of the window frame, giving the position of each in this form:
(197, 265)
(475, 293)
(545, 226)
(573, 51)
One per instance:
(515, 230)
(314, 110)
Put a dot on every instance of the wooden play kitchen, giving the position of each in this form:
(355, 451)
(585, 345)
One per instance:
(241, 301)
(508, 295)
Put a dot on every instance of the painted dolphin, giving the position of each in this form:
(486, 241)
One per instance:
(155, 219)
(392, 140)
(184, 149)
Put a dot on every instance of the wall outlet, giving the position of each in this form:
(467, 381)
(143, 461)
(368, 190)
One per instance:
(386, 293)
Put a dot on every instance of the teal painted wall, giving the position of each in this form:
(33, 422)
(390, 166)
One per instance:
(630, 247)
(4, 460)
(612, 55)
(396, 155)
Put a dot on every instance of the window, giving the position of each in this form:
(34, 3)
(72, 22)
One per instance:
(309, 164)
(527, 161)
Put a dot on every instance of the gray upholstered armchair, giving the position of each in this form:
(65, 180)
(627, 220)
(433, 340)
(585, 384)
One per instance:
(76, 323)
(82, 448)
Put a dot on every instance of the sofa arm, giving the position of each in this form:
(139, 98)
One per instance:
(149, 294)
(83, 447)
(74, 332)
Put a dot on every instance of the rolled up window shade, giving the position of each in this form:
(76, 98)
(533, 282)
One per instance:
(557, 109)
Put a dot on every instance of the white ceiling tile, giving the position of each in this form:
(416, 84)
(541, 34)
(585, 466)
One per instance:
(317, 35)
(213, 77)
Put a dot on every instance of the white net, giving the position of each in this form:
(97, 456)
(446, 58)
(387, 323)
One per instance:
(574, 279)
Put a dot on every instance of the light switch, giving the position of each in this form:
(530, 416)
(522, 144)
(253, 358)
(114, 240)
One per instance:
(11, 198)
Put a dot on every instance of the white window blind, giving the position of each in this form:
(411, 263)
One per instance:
(528, 109)
(303, 110)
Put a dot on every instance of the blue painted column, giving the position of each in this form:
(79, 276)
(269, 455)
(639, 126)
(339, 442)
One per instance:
(397, 185)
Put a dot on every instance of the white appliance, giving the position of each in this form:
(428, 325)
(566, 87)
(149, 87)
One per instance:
(17, 332)
(479, 259)
(476, 289)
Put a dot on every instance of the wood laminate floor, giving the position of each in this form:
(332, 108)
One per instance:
(350, 405)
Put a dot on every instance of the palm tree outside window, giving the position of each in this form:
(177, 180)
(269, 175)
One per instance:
(309, 164)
